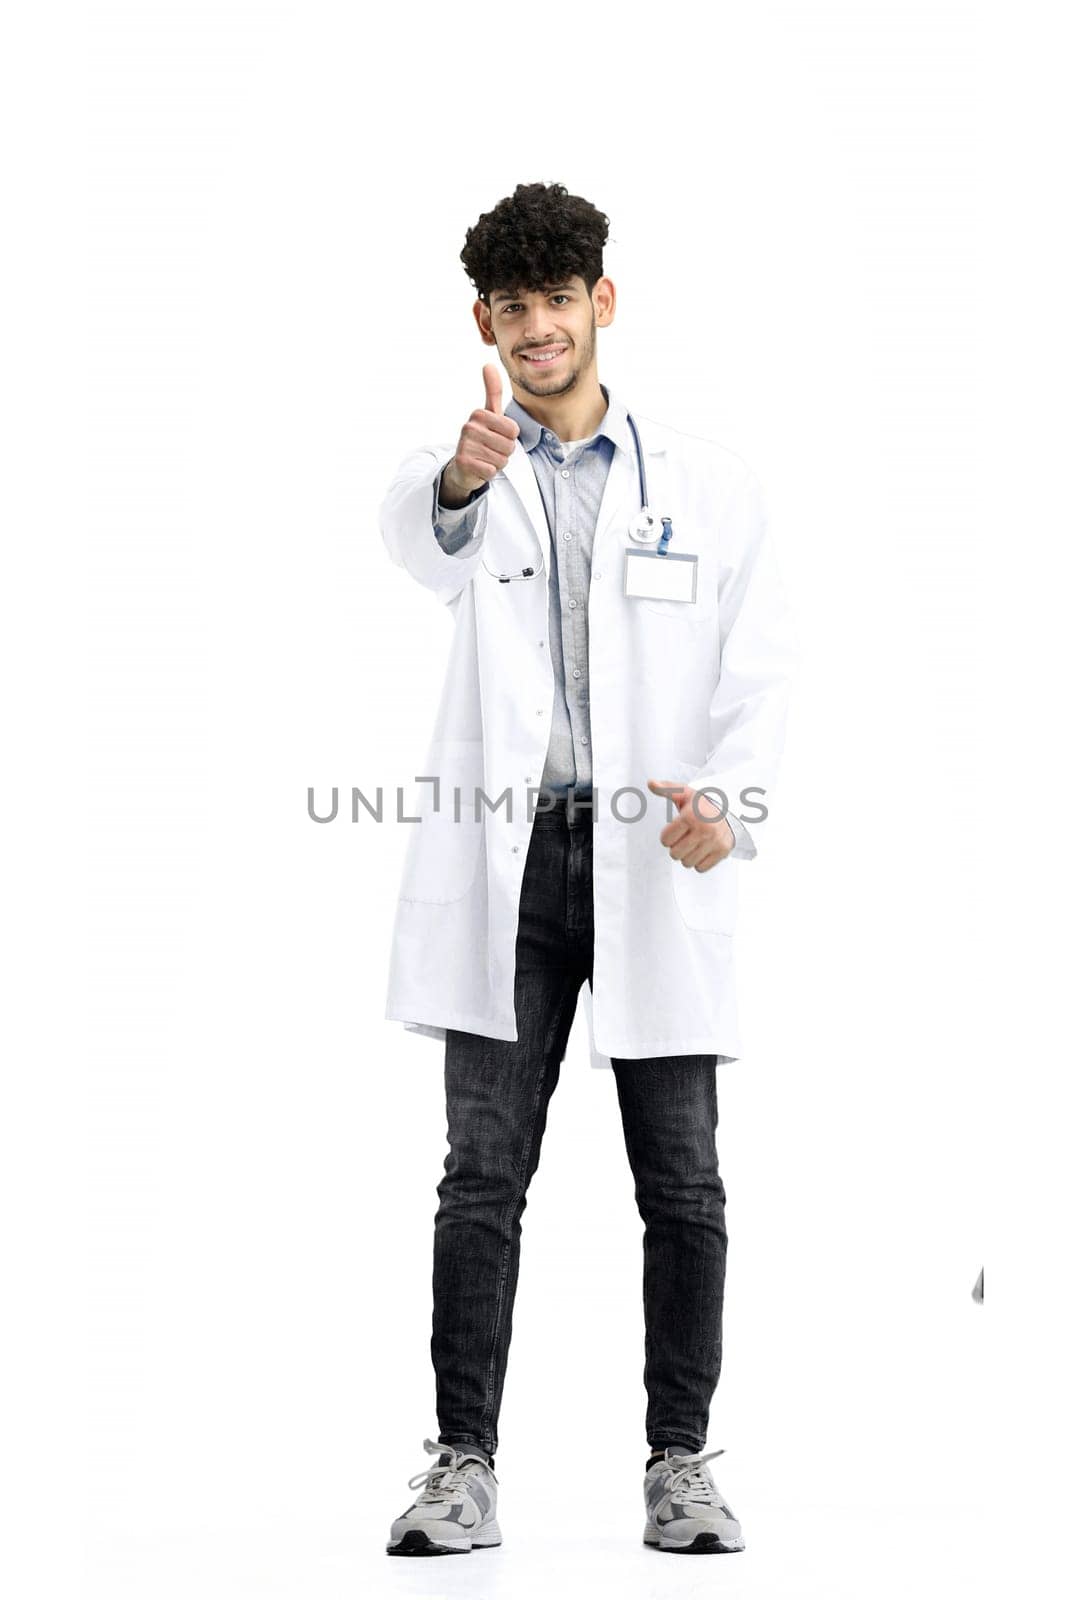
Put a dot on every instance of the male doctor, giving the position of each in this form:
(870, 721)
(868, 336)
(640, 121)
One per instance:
(608, 733)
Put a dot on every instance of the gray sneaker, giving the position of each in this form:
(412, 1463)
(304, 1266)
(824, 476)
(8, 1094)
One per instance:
(456, 1511)
(685, 1511)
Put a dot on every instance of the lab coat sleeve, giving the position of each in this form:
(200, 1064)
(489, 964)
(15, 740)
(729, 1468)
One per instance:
(406, 521)
(457, 526)
(744, 847)
(757, 645)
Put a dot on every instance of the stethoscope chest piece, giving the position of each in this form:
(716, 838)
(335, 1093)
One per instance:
(643, 528)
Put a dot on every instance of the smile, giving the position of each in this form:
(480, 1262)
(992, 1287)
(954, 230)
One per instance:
(545, 358)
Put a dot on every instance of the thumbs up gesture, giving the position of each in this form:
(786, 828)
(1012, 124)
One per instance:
(486, 440)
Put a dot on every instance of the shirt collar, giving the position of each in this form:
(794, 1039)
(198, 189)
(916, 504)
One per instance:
(613, 425)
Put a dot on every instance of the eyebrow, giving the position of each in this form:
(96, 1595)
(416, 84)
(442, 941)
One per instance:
(552, 288)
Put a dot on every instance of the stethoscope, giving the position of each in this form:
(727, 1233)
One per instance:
(642, 527)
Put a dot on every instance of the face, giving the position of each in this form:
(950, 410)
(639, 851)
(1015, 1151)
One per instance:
(557, 325)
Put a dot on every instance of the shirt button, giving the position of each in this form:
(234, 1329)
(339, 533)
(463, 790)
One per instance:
(564, 473)
(514, 849)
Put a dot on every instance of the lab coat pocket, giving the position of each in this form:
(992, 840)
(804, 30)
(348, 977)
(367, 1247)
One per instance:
(446, 843)
(677, 610)
(706, 900)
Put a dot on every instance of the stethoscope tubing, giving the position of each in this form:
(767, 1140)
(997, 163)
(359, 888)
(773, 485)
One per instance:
(644, 520)
(640, 462)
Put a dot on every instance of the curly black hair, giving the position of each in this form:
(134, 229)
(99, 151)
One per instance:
(538, 236)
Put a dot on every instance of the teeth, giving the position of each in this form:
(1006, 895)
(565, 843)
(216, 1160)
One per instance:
(550, 357)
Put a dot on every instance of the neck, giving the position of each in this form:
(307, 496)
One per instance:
(574, 415)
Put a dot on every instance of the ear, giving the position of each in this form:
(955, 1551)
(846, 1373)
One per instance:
(483, 318)
(603, 298)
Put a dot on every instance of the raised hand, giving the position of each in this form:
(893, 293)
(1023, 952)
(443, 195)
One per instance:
(486, 440)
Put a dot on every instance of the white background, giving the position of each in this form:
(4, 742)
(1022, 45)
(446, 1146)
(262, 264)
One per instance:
(272, 203)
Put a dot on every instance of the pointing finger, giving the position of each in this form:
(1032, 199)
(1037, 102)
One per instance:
(675, 790)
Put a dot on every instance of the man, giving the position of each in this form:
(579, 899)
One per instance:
(588, 670)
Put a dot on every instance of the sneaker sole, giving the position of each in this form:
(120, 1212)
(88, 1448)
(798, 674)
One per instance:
(417, 1543)
(704, 1544)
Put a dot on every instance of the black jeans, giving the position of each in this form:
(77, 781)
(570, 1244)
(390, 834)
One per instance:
(497, 1093)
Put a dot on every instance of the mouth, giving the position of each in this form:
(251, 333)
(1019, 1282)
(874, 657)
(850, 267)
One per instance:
(548, 356)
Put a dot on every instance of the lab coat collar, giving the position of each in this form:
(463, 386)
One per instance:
(613, 426)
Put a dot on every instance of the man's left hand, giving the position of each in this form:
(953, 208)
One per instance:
(699, 836)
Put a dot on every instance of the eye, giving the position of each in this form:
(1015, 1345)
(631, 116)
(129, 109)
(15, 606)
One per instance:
(517, 304)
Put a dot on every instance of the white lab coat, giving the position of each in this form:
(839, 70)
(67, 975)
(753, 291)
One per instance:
(681, 691)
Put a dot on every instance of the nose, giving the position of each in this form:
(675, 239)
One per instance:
(540, 328)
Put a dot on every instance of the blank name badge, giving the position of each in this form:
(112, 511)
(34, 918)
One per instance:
(650, 576)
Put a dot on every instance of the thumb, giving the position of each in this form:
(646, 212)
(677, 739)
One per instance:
(494, 389)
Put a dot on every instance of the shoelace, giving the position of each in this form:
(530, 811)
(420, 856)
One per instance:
(685, 1474)
(444, 1484)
